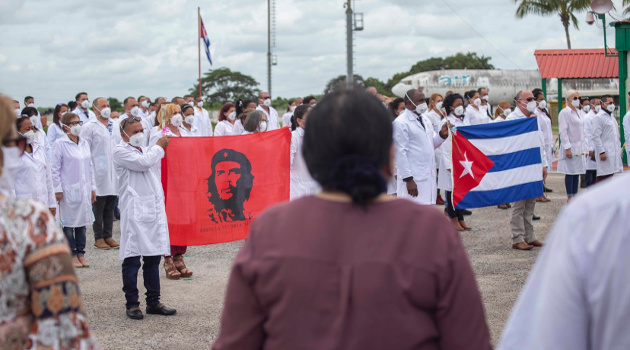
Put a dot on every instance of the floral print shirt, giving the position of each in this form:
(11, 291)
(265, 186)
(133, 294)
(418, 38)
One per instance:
(40, 302)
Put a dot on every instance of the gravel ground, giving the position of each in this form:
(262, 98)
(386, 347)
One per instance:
(501, 273)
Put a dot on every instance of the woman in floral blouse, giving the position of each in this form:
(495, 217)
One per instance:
(40, 302)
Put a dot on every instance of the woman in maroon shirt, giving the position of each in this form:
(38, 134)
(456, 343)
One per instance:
(352, 268)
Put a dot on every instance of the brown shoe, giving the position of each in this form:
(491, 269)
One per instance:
(100, 244)
(462, 223)
(76, 263)
(178, 260)
(110, 242)
(171, 270)
(439, 200)
(457, 225)
(536, 243)
(503, 206)
(83, 261)
(522, 246)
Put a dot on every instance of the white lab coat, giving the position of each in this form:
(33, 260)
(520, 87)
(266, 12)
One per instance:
(41, 139)
(84, 116)
(286, 119)
(34, 179)
(576, 296)
(474, 117)
(54, 132)
(605, 137)
(151, 118)
(591, 164)
(71, 168)
(302, 183)
(272, 118)
(415, 156)
(224, 128)
(572, 135)
(202, 121)
(143, 224)
(436, 120)
(545, 124)
(193, 132)
(517, 114)
(238, 128)
(102, 144)
(445, 179)
(626, 132)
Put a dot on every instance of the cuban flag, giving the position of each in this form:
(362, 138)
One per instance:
(496, 163)
(204, 36)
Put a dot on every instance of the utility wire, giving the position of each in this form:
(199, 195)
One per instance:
(479, 34)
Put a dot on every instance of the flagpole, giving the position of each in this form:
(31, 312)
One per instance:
(199, 45)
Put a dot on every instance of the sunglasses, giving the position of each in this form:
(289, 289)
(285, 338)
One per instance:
(530, 99)
(19, 142)
(129, 120)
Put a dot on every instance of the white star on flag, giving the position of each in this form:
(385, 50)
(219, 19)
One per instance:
(467, 167)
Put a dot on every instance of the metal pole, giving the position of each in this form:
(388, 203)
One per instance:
(560, 99)
(544, 87)
(269, 47)
(199, 45)
(350, 75)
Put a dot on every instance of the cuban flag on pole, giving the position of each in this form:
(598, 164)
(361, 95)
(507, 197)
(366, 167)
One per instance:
(203, 35)
(496, 163)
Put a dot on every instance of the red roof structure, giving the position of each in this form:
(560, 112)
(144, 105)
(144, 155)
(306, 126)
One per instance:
(577, 64)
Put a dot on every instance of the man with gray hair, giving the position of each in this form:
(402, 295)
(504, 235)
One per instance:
(264, 105)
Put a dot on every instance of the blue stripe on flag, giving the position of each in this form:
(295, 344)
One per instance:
(479, 199)
(515, 159)
(499, 130)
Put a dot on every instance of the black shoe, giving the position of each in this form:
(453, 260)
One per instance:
(536, 218)
(134, 313)
(548, 190)
(160, 310)
(467, 212)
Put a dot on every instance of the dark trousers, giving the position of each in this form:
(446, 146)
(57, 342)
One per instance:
(590, 177)
(572, 182)
(103, 209)
(603, 177)
(178, 250)
(450, 210)
(150, 274)
(76, 239)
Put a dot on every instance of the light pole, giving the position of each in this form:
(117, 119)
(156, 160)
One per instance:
(354, 22)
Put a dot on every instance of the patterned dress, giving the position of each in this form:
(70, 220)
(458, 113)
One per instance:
(40, 302)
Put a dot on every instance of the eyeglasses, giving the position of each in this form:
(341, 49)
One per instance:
(19, 142)
(129, 120)
(576, 98)
(71, 124)
(530, 99)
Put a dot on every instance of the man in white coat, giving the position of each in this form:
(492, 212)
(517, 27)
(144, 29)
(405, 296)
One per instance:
(264, 105)
(523, 237)
(98, 133)
(143, 225)
(202, 118)
(605, 137)
(83, 107)
(416, 142)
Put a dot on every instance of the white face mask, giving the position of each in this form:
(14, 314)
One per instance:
(106, 112)
(190, 119)
(30, 136)
(75, 130)
(293, 109)
(200, 104)
(477, 102)
(10, 167)
(459, 111)
(177, 120)
(586, 108)
(144, 103)
(487, 98)
(32, 105)
(85, 104)
(267, 102)
(598, 108)
(507, 112)
(439, 105)
(575, 103)
(232, 116)
(262, 127)
(135, 111)
(611, 107)
(531, 107)
(421, 108)
(17, 112)
(136, 140)
(542, 104)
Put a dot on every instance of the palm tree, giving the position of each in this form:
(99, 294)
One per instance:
(563, 8)
(626, 7)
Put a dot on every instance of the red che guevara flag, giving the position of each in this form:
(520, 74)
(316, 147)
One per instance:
(215, 186)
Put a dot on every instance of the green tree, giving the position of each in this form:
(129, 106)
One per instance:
(379, 85)
(340, 82)
(563, 8)
(115, 104)
(222, 85)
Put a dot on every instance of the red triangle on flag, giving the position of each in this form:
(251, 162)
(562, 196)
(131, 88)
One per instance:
(469, 164)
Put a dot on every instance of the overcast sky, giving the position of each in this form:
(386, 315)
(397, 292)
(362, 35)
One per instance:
(54, 49)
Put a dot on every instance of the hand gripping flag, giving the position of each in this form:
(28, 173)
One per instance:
(215, 186)
(496, 163)
(206, 41)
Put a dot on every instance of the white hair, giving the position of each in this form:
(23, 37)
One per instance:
(569, 94)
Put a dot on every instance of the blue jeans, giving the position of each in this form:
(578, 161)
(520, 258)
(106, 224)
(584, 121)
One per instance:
(76, 239)
(150, 274)
(572, 182)
(590, 177)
